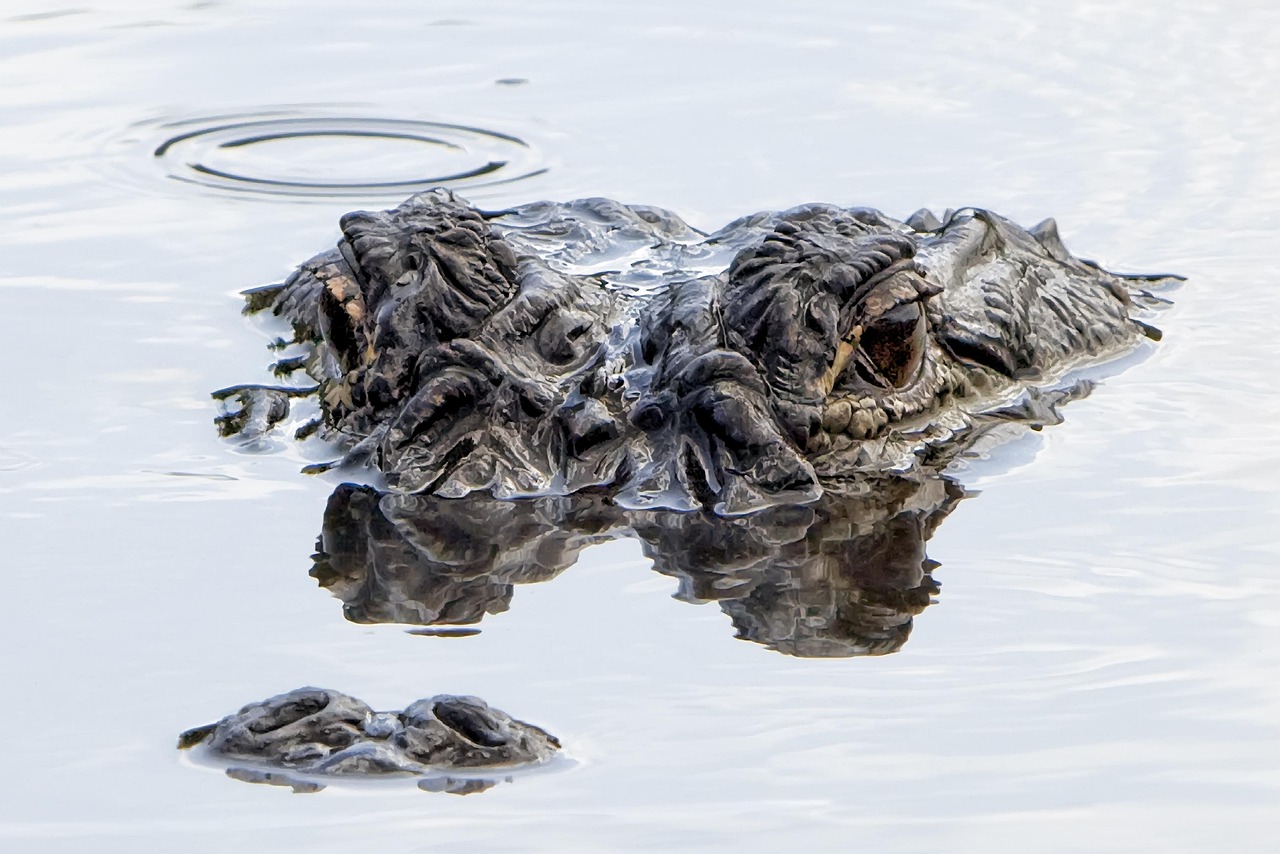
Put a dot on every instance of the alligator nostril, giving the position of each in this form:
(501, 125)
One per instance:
(470, 722)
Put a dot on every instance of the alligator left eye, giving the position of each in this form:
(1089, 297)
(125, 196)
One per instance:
(892, 347)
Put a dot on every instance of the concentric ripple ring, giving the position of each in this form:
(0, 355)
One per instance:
(282, 154)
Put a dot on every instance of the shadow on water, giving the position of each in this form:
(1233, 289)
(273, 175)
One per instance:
(841, 577)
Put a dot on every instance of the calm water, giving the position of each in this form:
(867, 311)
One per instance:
(1102, 668)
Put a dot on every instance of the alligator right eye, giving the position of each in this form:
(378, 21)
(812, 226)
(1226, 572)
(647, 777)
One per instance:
(891, 349)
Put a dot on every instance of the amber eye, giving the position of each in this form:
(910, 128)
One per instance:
(891, 347)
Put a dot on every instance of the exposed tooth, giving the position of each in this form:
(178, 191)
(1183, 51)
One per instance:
(843, 351)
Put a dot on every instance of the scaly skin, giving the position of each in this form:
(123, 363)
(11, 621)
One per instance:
(552, 348)
(324, 733)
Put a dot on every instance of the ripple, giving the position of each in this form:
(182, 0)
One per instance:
(285, 154)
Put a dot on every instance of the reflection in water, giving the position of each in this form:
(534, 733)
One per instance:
(304, 785)
(840, 577)
(282, 154)
(429, 561)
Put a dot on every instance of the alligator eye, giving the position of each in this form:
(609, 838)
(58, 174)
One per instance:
(892, 347)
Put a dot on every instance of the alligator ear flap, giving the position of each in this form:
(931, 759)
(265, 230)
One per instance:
(980, 351)
(1046, 234)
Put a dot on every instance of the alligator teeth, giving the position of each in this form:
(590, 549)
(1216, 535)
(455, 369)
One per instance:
(844, 350)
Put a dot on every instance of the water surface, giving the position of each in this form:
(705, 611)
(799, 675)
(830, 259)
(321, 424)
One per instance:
(1101, 670)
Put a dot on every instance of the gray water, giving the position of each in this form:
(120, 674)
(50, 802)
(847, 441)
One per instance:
(1102, 668)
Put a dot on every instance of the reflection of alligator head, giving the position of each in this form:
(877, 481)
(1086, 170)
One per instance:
(310, 734)
(428, 561)
(553, 348)
(840, 576)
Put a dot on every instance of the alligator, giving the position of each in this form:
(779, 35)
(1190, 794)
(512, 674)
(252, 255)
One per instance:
(306, 735)
(772, 409)
(591, 346)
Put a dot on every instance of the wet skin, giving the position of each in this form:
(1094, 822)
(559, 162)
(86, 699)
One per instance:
(554, 348)
(308, 733)
(534, 380)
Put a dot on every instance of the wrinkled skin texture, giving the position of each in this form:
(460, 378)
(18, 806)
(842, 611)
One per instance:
(555, 348)
(319, 732)
(535, 380)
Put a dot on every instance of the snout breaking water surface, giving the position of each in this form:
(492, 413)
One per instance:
(1101, 668)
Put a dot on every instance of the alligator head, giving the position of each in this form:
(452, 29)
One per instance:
(554, 348)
